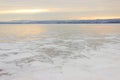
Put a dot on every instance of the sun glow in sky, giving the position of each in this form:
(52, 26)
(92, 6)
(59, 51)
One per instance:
(58, 9)
(23, 11)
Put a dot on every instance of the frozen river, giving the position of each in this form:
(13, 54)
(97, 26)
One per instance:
(60, 52)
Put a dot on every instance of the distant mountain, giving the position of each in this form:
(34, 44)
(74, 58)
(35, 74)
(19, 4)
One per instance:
(97, 21)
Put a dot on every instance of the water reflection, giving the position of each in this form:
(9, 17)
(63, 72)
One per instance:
(13, 32)
(100, 29)
(20, 32)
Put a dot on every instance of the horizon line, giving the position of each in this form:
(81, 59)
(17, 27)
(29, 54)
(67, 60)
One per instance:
(63, 19)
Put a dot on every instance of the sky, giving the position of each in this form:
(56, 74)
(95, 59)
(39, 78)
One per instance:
(58, 9)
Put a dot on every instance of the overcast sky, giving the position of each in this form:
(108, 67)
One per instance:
(58, 9)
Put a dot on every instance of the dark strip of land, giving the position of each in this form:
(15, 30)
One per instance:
(97, 21)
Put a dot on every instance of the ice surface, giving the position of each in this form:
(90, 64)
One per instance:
(63, 53)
